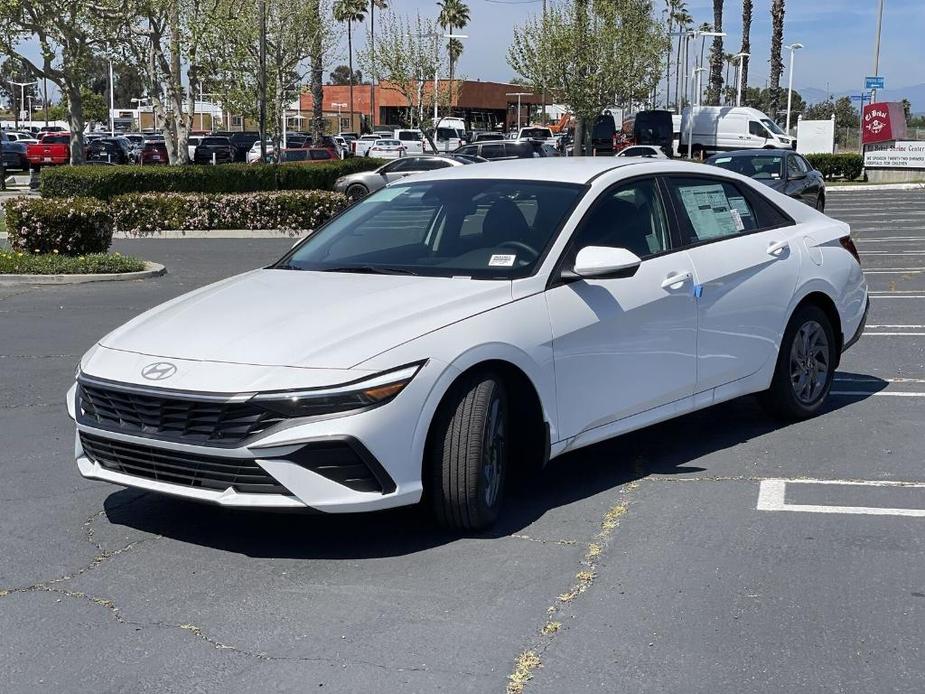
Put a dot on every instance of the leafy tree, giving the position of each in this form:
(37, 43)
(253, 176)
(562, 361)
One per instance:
(341, 76)
(454, 14)
(14, 70)
(846, 115)
(129, 83)
(907, 108)
(716, 57)
(746, 38)
(406, 51)
(347, 12)
(777, 37)
(591, 52)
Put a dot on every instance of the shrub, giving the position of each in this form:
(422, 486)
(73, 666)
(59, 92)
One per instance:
(67, 226)
(847, 165)
(106, 182)
(20, 263)
(145, 213)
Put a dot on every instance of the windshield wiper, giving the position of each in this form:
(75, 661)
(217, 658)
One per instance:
(371, 270)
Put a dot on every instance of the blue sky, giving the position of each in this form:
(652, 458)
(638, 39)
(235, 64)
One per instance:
(838, 35)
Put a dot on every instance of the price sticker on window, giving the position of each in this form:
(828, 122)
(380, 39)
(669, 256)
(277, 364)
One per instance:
(502, 261)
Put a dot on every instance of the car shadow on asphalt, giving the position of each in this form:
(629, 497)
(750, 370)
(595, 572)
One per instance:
(680, 447)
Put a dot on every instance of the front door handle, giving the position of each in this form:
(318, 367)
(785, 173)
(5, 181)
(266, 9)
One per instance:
(676, 279)
(776, 249)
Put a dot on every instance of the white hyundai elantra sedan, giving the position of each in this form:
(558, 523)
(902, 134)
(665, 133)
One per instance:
(465, 322)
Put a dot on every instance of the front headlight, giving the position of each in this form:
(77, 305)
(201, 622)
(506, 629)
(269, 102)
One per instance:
(368, 392)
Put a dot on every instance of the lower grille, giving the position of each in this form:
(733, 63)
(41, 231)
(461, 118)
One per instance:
(179, 467)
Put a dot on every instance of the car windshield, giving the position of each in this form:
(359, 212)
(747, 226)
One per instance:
(772, 126)
(757, 166)
(215, 141)
(479, 228)
(387, 143)
(539, 133)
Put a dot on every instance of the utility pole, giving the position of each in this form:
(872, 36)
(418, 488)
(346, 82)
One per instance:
(262, 11)
(45, 98)
(873, 93)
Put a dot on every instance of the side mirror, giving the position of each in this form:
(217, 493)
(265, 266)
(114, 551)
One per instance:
(797, 177)
(605, 261)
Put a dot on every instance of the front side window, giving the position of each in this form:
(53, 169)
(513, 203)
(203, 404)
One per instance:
(772, 126)
(758, 166)
(710, 209)
(793, 168)
(757, 129)
(631, 216)
(479, 228)
(398, 165)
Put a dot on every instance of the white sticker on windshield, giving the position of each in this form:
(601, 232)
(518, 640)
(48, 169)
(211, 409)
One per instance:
(722, 160)
(736, 219)
(502, 261)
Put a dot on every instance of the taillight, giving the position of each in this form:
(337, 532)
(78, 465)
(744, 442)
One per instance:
(849, 246)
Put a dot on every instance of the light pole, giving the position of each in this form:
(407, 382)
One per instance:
(22, 97)
(518, 95)
(793, 48)
(690, 115)
(741, 57)
(437, 70)
(29, 99)
(873, 92)
(112, 103)
(703, 40)
(340, 122)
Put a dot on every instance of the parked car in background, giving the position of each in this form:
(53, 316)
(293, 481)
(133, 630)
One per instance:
(13, 153)
(52, 149)
(313, 155)
(729, 128)
(650, 151)
(387, 149)
(465, 325)
(191, 144)
(343, 147)
(537, 133)
(415, 141)
(786, 172)
(253, 154)
(603, 134)
(493, 151)
(215, 150)
(153, 152)
(110, 150)
(361, 184)
(15, 136)
(488, 137)
(361, 146)
(241, 141)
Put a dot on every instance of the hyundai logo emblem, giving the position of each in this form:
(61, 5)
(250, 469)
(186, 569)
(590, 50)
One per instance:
(159, 370)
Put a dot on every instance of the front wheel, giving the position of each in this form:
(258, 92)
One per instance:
(356, 192)
(805, 366)
(468, 456)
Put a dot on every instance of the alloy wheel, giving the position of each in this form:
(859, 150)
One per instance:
(809, 362)
(493, 452)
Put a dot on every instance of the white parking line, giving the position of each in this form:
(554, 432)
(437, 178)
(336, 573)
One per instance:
(887, 239)
(883, 393)
(895, 325)
(875, 334)
(772, 497)
(896, 271)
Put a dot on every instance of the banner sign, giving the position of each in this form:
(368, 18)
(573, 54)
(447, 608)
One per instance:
(896, 155)
(882, 122)
(873, 83)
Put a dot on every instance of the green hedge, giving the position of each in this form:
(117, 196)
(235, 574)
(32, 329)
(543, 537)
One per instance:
(105, 182)
(19, 263)
(68, 226)
(847, 165)
(146, 213)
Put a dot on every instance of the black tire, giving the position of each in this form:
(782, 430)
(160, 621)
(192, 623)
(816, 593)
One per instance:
(796, 391)
(467, 456)
(356, 192)
(820, 202)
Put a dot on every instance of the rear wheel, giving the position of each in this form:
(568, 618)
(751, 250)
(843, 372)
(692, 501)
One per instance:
(805, 366)
(357, 191)
(468, 454)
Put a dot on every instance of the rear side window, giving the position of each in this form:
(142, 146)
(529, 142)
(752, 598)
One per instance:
(492, 151)
(710, 209)
(55, 140)
(408, 135)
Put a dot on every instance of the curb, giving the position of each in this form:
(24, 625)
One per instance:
(151, 270)
(877, 186)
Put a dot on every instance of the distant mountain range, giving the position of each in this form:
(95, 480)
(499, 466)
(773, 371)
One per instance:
(915, 94)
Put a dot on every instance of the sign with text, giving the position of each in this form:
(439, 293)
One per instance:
(896, 155)
(873, 83)
(882, 122)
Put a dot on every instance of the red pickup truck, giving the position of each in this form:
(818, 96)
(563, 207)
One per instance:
(51, 149)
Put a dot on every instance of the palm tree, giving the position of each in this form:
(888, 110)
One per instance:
(382, 5)
(777, 38)
(350, 11)
(454, 14)
(684, 21)
(716, 56)
(746, 39)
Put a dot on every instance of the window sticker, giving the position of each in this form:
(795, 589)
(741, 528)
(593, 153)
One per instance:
(502, 261)
(722, 160)
(709, 211)
(739, 204)
(737, 219)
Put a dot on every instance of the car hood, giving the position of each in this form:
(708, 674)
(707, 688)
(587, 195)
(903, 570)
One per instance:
(304, 319)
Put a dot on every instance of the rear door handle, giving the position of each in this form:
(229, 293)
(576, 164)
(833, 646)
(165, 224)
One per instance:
(776, 249)
(676, 279)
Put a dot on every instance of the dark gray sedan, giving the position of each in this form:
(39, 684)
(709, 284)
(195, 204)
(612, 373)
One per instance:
(359, 185)
(786, 172)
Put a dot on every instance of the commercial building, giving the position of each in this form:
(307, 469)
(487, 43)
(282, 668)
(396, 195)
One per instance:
(483, 105)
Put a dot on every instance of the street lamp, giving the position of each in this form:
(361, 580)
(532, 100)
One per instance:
(690, 115)
(703, 39)
(340, 122)
(437, 71)
(793, 48)
(518, 95)
(741, 57)
(22, 97)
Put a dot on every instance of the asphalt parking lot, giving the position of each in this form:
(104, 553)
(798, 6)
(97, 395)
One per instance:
(700, 555)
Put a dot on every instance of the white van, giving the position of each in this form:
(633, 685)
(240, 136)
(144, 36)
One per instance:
(449, 134)
(719, 128)
(414, 141)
